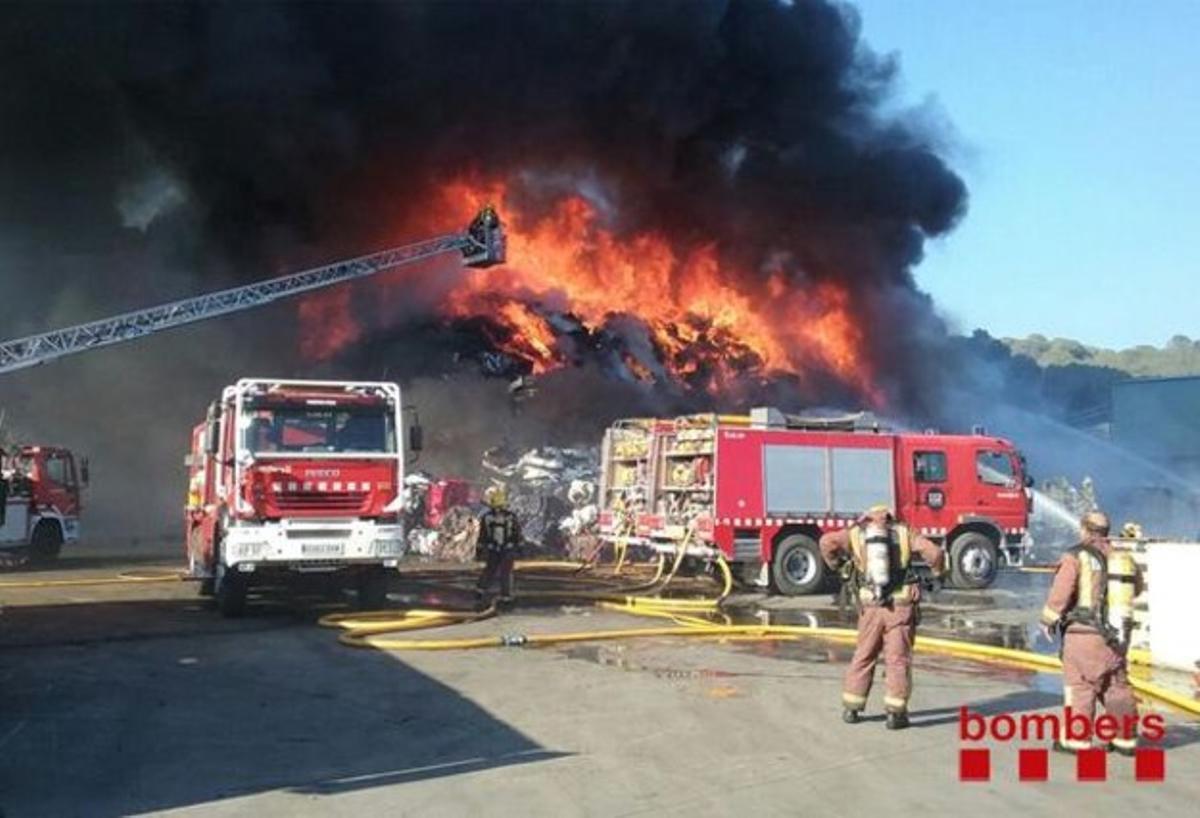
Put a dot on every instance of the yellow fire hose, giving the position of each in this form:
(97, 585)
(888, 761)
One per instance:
(125, 578)
(368, 631)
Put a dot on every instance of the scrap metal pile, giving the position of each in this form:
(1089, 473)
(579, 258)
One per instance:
(440, 517)
(551, 490)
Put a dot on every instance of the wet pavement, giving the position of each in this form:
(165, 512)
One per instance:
(138, 698)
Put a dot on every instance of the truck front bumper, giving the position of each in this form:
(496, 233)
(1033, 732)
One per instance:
(313, 544)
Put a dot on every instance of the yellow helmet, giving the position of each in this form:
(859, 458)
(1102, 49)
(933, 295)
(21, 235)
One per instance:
(878, 511)
(496, 496)
(1131, 531)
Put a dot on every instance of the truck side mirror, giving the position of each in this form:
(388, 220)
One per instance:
(416, 438)
(85, 471)
(1028, 481)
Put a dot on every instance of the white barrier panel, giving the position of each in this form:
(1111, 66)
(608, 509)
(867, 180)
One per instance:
(1173, 570)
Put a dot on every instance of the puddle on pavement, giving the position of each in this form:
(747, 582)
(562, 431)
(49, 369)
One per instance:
(960, 626)
(620, 657)
(961, 615)
(628, 657)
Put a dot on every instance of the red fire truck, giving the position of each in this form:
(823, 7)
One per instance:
(761, 489)
(40, 490)
(292, 478)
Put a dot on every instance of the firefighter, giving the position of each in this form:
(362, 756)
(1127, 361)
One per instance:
(1090, 607)
(499, 539)
(873, 556)
(485, 220)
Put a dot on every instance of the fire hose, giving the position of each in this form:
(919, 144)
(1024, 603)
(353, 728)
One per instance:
(124, 578)
(370, 630)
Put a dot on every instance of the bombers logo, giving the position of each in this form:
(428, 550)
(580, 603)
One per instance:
(319, 474)
(975, 763)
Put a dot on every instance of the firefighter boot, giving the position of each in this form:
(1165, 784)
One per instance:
(897, 719)
(850, 716)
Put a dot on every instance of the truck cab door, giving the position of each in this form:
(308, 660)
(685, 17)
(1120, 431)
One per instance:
(997, 483)
(59, 484)
(926, 492)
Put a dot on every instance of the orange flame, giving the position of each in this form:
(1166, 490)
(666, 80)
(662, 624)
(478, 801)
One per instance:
(699, 314)
(709, 324)
(530, 337)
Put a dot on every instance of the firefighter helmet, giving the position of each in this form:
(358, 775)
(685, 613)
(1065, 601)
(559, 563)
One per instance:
(880, 512)
(496, 496)
(1131, 531)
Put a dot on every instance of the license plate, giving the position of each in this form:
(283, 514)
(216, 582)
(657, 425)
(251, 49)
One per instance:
(321, 549)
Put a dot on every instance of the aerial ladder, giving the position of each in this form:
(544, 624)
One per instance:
(482, 244)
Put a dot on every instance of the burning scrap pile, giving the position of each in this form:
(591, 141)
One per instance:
(746, 232)
(553, 492)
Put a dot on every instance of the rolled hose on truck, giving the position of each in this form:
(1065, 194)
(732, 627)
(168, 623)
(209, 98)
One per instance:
(368, 630)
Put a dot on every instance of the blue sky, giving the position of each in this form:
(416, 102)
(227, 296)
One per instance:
(1077, 128)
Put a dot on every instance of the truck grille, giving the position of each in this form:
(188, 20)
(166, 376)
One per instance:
(321, 500)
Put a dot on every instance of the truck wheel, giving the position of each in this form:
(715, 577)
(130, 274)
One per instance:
(797, 567)
(973, 561)
(373, 589)
(230, 592)
(46, 543)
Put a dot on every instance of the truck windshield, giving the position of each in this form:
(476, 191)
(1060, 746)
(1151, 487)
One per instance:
(318, 429)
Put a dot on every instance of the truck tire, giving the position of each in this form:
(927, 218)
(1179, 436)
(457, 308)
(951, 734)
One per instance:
(373, 588)
(973, 560)
(45, 544)
(796, 566)
(230, 592)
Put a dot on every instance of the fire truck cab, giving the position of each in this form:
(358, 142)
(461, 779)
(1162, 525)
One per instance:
(40, 500)
(760, 490)
(293, 478)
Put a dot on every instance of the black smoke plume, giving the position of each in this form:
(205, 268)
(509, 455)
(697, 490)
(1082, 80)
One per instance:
(151, 150)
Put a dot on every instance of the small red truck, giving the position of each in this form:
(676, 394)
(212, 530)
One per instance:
(761, 489)
(40, 500)
(289, 479)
